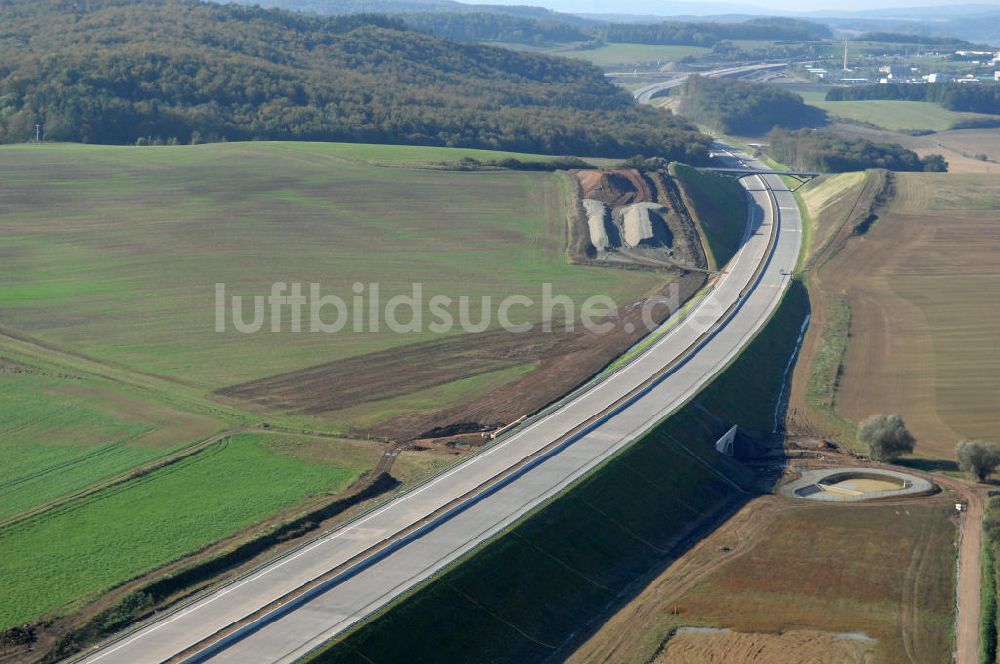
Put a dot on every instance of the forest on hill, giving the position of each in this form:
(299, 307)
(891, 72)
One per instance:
(118, 71)
(822, 151)
(744, 108)
(525, 24)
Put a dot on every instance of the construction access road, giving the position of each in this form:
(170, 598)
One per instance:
(290, 606)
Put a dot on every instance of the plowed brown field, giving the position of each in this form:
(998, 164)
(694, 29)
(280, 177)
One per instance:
(921, 287)
(782, 566)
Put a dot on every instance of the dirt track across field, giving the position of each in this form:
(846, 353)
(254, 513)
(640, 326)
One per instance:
(970, 578)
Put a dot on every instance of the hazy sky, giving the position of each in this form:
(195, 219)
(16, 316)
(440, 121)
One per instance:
(668, 7)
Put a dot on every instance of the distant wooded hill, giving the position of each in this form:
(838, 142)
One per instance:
(524, 24)
(741, 107)
(115, 71)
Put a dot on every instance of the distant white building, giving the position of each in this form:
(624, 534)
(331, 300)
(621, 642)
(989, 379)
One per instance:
(931, 78)
(996, 76)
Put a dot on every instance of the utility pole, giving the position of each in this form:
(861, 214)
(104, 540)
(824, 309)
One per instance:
(38, 133)
(845, 56)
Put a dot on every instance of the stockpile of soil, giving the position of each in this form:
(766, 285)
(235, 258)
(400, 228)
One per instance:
(619, 187)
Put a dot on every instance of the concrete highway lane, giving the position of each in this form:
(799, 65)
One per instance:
(455, 510)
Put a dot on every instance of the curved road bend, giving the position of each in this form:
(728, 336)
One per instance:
(371, 580)
(644, 95)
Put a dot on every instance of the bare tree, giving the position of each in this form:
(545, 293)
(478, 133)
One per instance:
(978, 457)
(886, 437)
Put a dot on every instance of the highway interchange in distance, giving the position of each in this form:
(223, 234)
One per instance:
(290, 606)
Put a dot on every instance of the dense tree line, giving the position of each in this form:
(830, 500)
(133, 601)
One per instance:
(741, 107)
(709, 34)
(821, 151)
(904, 38)
(494, 27)
(537, 25)
(973, 97)
(114, 71)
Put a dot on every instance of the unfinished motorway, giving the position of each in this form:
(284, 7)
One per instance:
(288, 607)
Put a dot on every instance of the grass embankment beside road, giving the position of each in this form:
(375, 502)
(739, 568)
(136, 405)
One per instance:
(546, 580)
(83, 548)
(832, 208)
(718, 206)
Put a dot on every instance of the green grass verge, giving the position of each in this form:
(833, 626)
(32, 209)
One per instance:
(90, 545)
(828, 364)
(718, 205)
(989, 614)
(522, 595)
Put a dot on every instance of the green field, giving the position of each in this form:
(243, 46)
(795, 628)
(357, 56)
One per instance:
(631, 54)
(112, 455)
(61, 434)
(86, 547)
(892, 115)
(118, 255)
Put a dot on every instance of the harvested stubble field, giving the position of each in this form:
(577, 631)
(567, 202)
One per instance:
(786, 576)
(919, 288)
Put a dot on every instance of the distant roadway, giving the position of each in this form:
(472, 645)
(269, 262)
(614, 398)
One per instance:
(644, 95)
(292, 605)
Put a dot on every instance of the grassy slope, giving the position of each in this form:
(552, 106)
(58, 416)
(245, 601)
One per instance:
(826, 203)
(523, 594)
(118, 255)
(893, 115)
(147, 522)
(718, 205)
